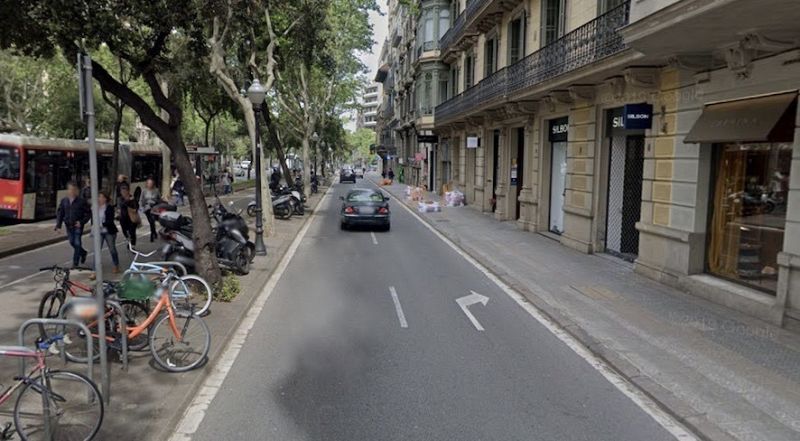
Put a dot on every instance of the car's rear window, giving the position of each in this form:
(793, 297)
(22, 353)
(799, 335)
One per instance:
(365, 196)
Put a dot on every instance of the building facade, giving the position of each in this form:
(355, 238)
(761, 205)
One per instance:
(367, 117)
(415, 81)
(661, 132)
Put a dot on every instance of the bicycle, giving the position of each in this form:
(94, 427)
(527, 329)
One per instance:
(52, 302)
(52, 404)
(171, 335)
(190, 290)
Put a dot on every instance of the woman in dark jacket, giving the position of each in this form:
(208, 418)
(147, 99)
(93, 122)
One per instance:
(127, 205)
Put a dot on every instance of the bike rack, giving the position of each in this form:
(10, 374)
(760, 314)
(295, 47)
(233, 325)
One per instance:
(58, 322)
(124, 336)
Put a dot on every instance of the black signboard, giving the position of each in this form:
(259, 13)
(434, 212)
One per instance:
(630, 117)
(637, 116)
(558, 130)
(427, 138)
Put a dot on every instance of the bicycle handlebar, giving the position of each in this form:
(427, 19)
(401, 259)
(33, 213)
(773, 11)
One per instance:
(139, 253)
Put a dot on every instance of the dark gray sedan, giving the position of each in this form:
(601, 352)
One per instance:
(365, 207)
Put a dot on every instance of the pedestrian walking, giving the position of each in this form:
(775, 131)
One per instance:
(391, 175)
(149, 198)
(178, 190)
(129, 218)
(108, 232)
(73, 212)
(225, 180)
(121, 180)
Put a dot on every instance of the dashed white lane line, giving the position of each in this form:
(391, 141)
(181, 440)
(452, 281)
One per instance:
(399, 309)
(374, 237)
(196, 412)
(647, 404)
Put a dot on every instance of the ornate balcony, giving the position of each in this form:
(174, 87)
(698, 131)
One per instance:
(467, 23)
(592, 42)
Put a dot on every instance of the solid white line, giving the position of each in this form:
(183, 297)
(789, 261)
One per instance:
(644, 402)
(374, 238)
(398, 308)
(196, 411)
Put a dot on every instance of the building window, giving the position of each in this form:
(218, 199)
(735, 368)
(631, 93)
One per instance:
(490, 57)
(553, 20)
(444, 22)
(604, 6)
(516, 40)
(469, 71)
(443, 92)
(749, 212)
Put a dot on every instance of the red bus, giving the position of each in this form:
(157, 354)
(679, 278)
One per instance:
(34, 171)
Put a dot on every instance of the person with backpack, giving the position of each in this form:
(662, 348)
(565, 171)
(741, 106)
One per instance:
(73, 212)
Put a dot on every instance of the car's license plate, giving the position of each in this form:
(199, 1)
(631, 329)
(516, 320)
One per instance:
(366, 210)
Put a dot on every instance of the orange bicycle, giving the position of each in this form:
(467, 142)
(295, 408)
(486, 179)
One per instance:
(179, 340)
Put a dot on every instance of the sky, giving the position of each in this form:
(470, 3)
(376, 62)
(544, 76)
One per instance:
(380, 27)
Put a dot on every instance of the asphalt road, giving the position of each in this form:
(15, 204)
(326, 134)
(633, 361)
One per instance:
(331, 357)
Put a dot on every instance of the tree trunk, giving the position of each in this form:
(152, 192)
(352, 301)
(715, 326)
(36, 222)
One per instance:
(306, 160)
(112, 187)
(204, 243)
(275, 141)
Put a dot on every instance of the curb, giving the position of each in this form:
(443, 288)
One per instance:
(169, 428)
(694, 421)
(31, 246)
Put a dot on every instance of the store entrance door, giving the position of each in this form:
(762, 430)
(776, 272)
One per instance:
(495, 166)
(625, 195)
(558, 185)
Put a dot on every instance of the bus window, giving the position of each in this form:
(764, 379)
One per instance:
(9, 163)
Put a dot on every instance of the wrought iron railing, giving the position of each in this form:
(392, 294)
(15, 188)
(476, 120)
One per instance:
(587, 44)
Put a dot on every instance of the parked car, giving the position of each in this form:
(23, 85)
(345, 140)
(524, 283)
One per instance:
(347, 175)
(365, 207)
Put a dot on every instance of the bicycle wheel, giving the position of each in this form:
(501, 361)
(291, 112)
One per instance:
(50, 307)
(75, 408)
(135, 313)
(184, 351)
(191, 291)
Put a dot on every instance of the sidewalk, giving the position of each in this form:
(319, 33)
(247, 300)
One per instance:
(722, 374)
(18, 238)
(146, 403)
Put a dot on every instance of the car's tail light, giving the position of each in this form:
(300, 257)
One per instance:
(349, 210)
(383, 210)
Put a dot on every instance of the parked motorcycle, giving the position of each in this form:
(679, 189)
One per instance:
(234, 250)
(281, 207)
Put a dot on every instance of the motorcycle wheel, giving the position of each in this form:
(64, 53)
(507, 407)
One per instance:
(251, 248)
(251, 210)
(283, 212)
(242, 261)
(299, 209)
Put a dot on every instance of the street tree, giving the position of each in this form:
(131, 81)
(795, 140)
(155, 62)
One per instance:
(319, 69)
(149, 36)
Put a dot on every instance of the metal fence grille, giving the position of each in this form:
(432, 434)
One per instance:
(625, 195)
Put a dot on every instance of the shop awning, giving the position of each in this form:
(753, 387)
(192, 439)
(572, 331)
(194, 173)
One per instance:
(748, 120)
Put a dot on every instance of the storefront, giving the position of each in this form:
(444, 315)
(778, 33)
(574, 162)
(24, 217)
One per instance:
(625, 129)
(751, 141)
(557, 137)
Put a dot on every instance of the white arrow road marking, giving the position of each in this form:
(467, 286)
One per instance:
(374, 238)
(466, 301)
(398, 308)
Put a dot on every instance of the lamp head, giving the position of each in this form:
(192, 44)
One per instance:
(256, 93)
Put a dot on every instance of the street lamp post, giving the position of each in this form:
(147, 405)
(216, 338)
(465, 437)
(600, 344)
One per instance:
(256, 94)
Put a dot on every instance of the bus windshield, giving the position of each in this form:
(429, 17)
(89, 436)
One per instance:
(9, 163)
